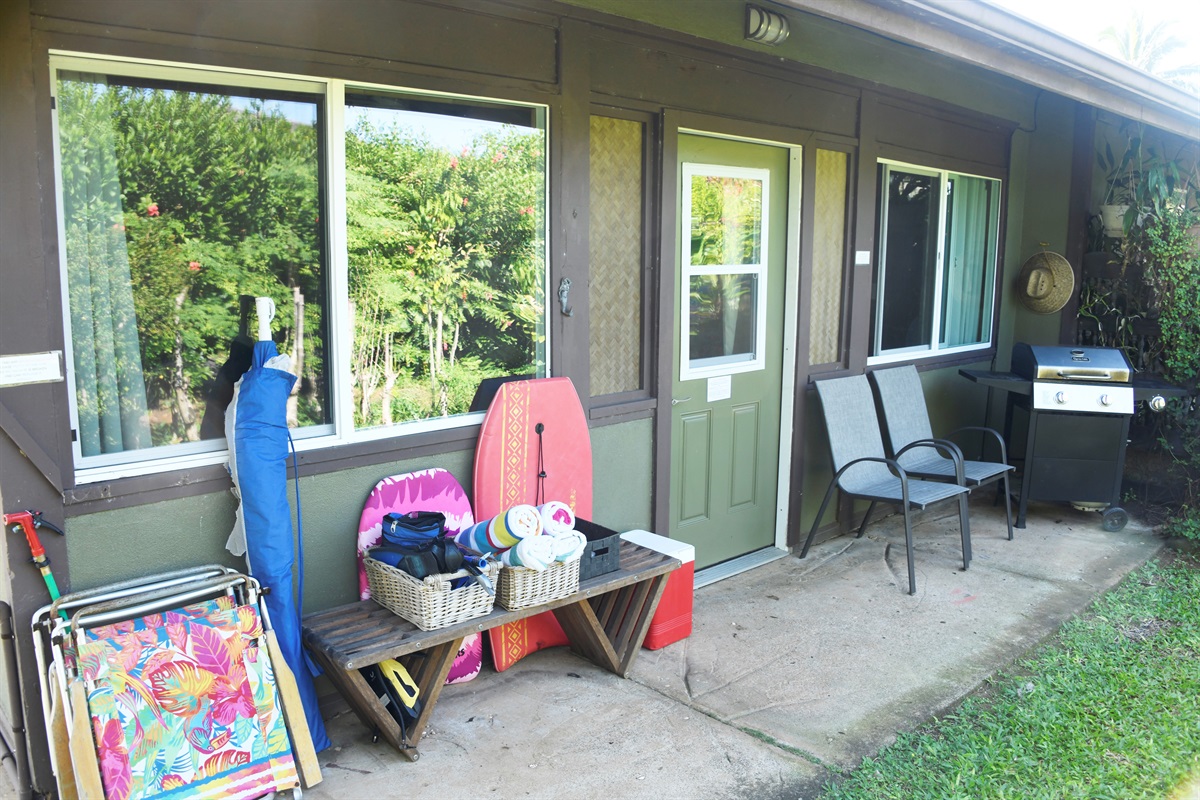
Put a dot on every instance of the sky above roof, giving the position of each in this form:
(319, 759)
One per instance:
(1086, 20)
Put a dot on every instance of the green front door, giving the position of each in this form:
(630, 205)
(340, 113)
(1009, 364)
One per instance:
(728, 365)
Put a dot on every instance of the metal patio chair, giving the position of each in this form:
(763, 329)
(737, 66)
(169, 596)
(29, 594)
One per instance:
(907, 420)
(862, 469)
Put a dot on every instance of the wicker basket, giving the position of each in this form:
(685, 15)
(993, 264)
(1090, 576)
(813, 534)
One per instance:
(430, 603)
(521, 588)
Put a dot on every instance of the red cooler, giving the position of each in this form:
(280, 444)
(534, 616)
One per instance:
(672, 619)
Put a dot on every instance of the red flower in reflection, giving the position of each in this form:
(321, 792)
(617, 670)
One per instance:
(194, 266)
(152, 210)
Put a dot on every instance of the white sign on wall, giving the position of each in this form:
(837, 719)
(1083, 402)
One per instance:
(18, 370)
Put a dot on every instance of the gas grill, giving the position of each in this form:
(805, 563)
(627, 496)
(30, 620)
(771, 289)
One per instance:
(1077, 403)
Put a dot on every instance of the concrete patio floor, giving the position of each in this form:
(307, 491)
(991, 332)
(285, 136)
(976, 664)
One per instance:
(794, 670)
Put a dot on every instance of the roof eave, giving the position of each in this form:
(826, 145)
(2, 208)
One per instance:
(999, 41)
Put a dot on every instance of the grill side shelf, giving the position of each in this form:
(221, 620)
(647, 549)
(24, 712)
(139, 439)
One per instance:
(1006, 381)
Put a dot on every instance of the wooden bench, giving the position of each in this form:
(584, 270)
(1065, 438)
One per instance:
(605, 621)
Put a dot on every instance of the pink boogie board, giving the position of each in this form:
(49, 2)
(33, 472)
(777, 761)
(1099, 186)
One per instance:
(507, 460)
(426, 490)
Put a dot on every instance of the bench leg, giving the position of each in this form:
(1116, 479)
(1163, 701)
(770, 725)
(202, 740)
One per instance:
(609, 630)
(429, 670)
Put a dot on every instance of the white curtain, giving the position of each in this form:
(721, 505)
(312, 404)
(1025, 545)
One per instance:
(109, 384)
(970, 255)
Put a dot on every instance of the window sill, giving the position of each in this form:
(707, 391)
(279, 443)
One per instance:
(923, 363)
(190, 482)
(622, 411)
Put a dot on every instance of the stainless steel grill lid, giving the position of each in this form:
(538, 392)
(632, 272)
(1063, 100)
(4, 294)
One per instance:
(1052, 363)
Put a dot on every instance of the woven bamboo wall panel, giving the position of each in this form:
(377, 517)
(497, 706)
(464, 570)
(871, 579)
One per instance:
(615, 291)
(829, 256)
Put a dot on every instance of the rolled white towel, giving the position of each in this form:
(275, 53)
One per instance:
(569, 546)
(557, 517)
(536, 552)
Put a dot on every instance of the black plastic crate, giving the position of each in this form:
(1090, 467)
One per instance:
(603, 552)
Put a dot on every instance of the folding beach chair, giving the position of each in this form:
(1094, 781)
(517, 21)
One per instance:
(862, 470)
(907, 420)
(170, 685)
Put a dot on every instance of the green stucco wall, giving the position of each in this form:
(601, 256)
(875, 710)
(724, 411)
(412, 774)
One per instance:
(116, 545)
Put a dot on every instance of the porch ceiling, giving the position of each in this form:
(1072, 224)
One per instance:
(997, 40)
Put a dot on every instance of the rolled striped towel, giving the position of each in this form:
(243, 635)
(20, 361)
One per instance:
(557, 517)
(536, 552)
(503, 531)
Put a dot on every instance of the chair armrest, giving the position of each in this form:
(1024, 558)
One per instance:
(993, 432)
(950, 449)
(891, 463)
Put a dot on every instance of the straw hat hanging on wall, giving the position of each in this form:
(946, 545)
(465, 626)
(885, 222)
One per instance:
(1045, 283)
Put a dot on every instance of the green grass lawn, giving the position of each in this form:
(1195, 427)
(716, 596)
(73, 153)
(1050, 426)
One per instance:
(1108, 709)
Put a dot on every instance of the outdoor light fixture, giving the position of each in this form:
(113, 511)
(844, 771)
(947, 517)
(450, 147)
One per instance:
(765, 27)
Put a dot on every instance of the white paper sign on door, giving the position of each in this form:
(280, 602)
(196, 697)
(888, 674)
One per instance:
(720, 388)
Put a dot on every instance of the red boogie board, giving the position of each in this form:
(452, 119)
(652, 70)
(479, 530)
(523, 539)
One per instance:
(426, 490)
(507, 462)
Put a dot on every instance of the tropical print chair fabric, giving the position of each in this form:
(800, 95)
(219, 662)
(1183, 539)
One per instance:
(183, 704)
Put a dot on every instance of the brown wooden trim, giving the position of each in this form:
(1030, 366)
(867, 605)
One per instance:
(1082, 163)
(396, 34)
(677, 44)
(29, 447)
(89, 498)
(650, 214)
(570, 166)
(664, 332)
(862, 277)
(621, 411)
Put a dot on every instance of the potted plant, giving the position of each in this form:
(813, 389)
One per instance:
(1121, 180)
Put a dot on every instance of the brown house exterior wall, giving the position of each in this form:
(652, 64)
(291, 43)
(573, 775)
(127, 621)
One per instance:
(571, 59)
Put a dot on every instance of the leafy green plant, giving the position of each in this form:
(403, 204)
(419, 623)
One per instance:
(1150, 308)
(1148, 178)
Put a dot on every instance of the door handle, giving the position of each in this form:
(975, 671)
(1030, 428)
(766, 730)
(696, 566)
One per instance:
(677, 400)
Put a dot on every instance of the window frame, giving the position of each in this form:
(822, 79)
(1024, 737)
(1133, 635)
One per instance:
(935, 349)
(722, 365)
(330, 92)
(607, 407)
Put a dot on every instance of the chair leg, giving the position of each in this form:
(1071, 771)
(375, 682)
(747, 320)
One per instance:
(964, 522)
(908, 547)
(1007, 504)
(866, 517)
(820, 513)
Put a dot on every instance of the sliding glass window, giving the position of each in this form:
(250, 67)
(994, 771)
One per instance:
(401, 236)
(935, 290)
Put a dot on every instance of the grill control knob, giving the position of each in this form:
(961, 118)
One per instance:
(1158, 402)
(1105, 400)
(1060, 397)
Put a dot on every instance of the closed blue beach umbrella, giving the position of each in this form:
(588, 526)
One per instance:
(257, 433)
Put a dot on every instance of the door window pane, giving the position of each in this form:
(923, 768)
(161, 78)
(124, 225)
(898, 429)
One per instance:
(727, 220)
(723, 319)
(445, 219)
(179, 202)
